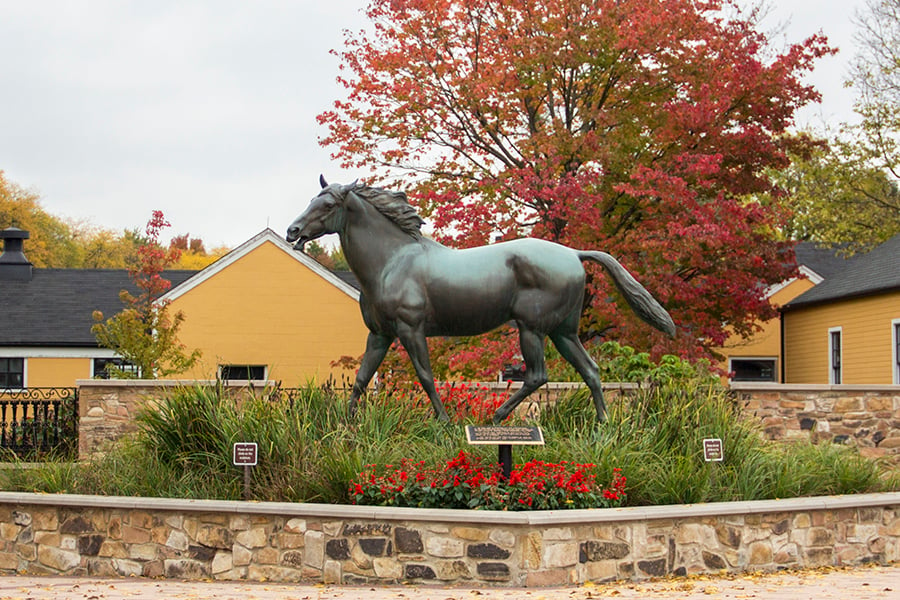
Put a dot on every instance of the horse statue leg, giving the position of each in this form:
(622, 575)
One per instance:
(377, 346)
(413, 339)
(566, 341)
(532, 345)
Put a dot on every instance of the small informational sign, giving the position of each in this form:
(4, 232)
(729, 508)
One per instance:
(245, 454)
(513, 436)
(712, 450)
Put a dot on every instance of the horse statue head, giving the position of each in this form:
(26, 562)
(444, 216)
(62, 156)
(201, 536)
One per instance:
(324, 215)
(327, 212)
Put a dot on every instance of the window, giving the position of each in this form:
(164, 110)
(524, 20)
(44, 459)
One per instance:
(753, 369)
(12, 373)
(102, 368)
(895, 327)
(834, 355)
(513, 372)
(242, 372)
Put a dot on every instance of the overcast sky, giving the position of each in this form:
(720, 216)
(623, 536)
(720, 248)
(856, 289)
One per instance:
(206, 109)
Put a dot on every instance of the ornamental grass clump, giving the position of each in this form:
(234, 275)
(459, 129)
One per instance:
(467, 481)
(656, 434)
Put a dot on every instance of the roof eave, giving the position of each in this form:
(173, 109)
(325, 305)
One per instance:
(851, 296)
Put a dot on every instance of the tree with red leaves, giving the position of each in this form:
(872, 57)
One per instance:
(144, 333)
(637, 127)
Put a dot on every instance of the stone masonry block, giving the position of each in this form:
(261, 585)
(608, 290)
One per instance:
(315, 549)
(61, 561)
(593, 550)
(563, 554)
(442, 547)
(408, 541)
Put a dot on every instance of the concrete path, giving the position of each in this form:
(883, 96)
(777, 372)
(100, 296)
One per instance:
(863, 583)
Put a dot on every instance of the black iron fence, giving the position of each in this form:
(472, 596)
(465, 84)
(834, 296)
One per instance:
(35, 422)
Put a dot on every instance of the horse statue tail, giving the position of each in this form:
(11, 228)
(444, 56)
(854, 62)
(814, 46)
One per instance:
(638, 298)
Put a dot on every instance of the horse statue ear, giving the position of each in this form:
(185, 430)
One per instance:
(322, 181)
(349, 187)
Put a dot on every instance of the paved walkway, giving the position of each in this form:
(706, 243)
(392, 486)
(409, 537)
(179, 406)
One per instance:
(863, 583)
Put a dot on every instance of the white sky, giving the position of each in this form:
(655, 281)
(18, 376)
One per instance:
(205, 109)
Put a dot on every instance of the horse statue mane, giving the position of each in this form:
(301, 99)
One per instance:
(394, 206)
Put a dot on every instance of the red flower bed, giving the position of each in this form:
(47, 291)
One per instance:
(466, 482)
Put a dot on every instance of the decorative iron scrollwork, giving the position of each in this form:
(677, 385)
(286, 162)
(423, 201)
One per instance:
(37, 421)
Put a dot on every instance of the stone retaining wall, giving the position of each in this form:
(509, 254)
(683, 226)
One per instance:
(866, 416)
(102, 537)
(107, 408)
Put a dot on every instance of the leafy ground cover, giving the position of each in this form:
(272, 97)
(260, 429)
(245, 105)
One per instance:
(310, 450)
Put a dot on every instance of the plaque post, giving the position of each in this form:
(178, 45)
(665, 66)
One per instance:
(245, 454)
(505, 459)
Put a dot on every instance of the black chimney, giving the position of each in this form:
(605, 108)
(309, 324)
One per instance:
(13, 264)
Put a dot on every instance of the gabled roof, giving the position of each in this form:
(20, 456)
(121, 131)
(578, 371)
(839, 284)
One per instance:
(876, 272)
(267, 235)
(825, 261)
(56, 307)
(815, 263)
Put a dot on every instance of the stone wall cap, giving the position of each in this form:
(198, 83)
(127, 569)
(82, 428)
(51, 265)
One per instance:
(813, 387)
(151, 383)
(345, 511)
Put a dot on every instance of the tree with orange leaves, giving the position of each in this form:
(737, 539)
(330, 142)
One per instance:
(637, 127)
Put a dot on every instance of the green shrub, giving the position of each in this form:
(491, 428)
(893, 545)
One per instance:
(624, 364)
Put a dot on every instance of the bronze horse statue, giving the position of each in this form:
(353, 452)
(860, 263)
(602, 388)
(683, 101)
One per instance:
(414, 287)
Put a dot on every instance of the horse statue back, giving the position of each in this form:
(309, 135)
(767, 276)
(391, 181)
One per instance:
(414, 287)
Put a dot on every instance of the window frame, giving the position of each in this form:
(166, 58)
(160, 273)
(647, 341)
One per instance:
(772, 359)
(835, 372)
(895, 350)
(24, 372)
(121, 363)
(221, 371)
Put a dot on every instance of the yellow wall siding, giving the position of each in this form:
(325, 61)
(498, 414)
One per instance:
(866, 340)
(56, 372)
(767, 342)
(268, 309)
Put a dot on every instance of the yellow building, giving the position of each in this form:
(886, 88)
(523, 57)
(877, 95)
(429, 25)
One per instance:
(266, 311)
(263, 311)
(46, 318)
(847, 329)
(758, 358)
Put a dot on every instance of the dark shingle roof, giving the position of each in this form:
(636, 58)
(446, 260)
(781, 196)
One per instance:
(825, 261)
(872, 273)
(55, 308)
